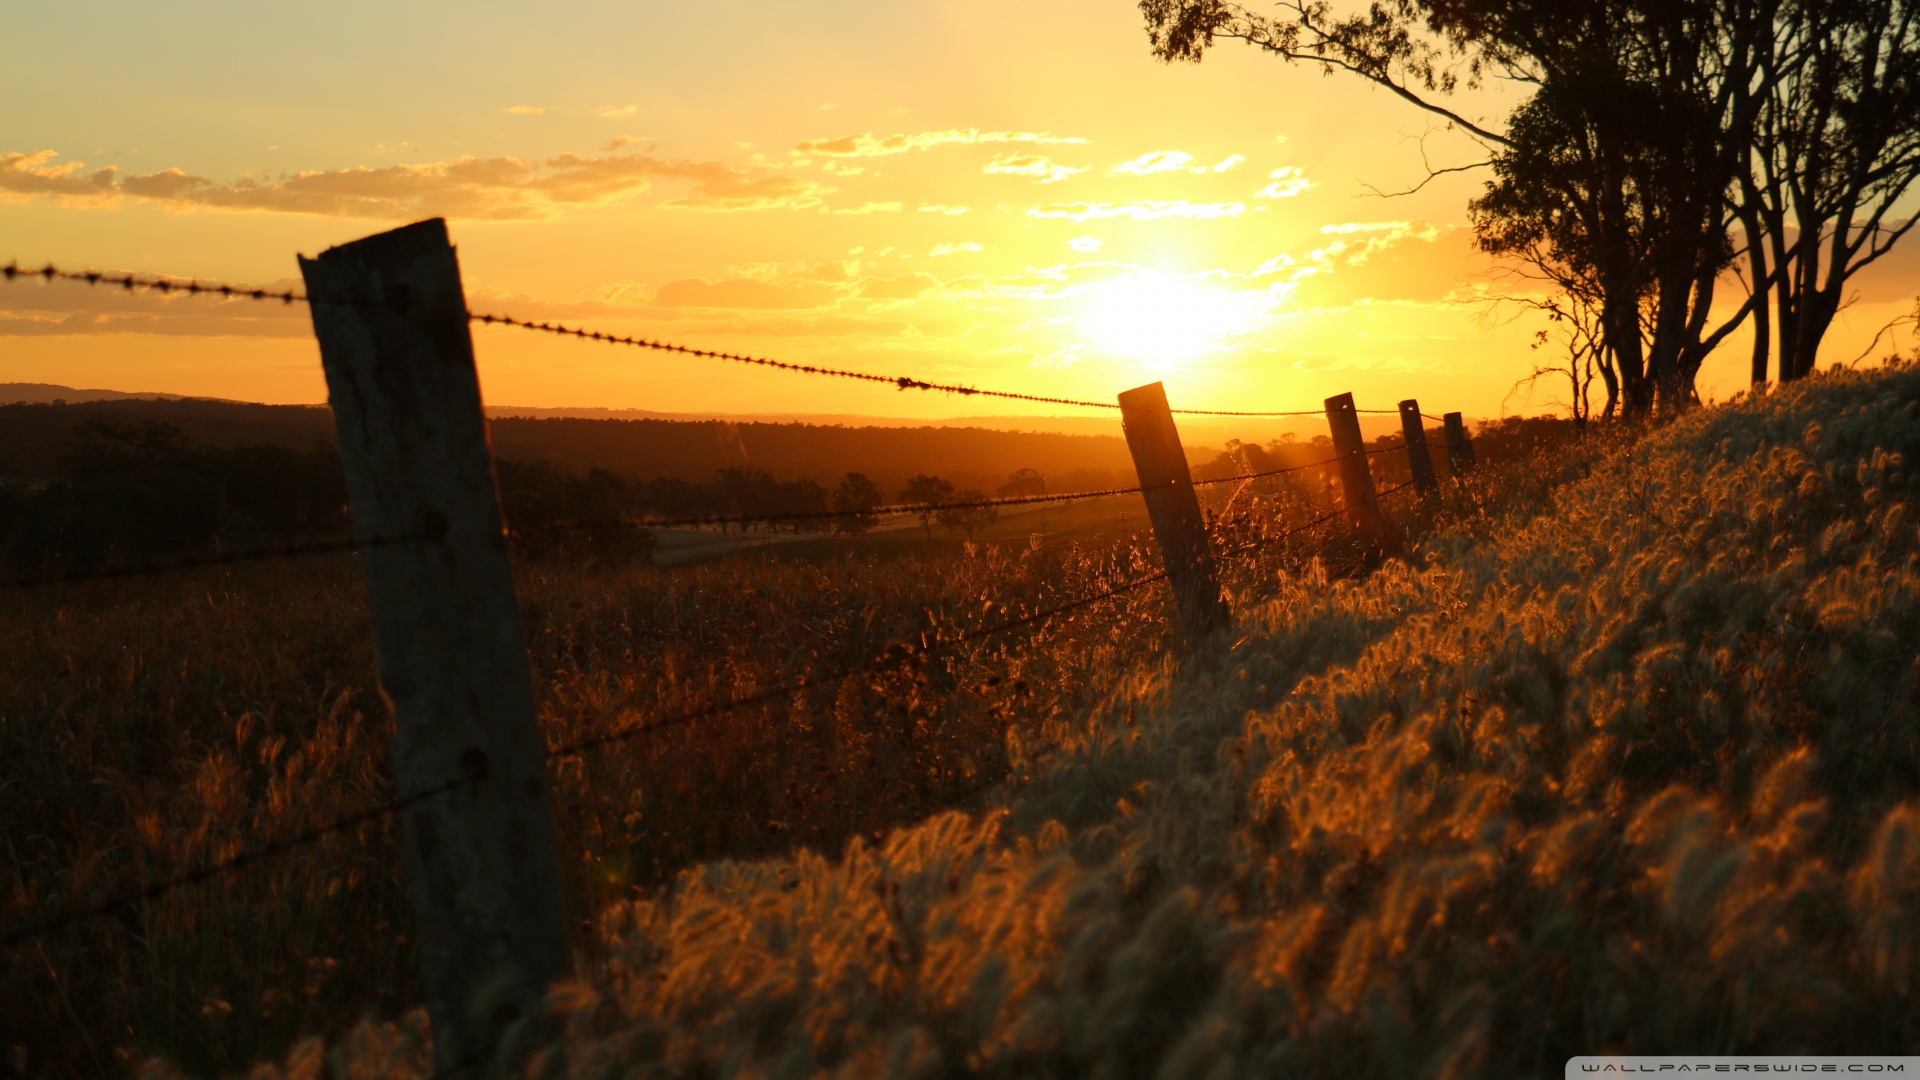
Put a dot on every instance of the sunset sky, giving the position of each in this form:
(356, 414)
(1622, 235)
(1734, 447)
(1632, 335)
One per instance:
(1013, 195)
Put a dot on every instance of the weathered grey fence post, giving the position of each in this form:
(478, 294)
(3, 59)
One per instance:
(1459, 446)
(1412, 426)
(1167, 485)
(392, 322)
(1356, 479)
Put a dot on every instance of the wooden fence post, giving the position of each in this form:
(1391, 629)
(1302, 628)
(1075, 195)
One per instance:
(1419, 459)
(1356, 479)
(1459, 446)
(1167, 485)
(391, 318)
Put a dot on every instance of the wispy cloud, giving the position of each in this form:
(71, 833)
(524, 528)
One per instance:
(524, 110)
(938, 208)
(900, 288)
(954, 249)
(1034, 165)
(1288, 181)
(1161, 161)
(872, 208)
(746, 293)
(867, 144)
(493, 189)
(1085, 244)
(1138, 211)
(1156, 162)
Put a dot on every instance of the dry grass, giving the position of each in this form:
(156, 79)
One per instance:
(1622, 763)
(153, 726)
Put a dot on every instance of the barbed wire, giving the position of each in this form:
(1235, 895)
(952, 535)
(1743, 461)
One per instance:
(171, 283)
(900, 656)
(1397, 487)
(902, 382)
(919, 508)
(155, 890)
(225, 558)
(13, 271)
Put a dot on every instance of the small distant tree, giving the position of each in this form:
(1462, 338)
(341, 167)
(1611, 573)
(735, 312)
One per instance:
(1024, 482)
(854, 501)
(924, 489)
(968, 518)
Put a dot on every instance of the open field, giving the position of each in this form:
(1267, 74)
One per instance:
(1622, 756)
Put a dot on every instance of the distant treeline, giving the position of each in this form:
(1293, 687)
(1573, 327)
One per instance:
(137, 492)
(33, 438)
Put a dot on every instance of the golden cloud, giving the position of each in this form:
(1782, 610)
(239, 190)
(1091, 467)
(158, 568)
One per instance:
(1158, 161)
(1040, 168)
(1288, 181)
(749, 293)
(1138, 211)
(490, 189)
(867, 144)
(35, 174)
(900, 288)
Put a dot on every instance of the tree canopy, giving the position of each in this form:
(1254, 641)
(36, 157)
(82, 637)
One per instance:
(1653, 129)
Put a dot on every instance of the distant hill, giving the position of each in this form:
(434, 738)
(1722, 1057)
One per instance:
(45, 393)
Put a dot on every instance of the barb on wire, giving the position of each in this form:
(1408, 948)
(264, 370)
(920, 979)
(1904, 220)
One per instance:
(898, 657)
(1401, 445)
(892, 659)
(166, 283)
(902, 382)
(225, 558)
(13, 271)
(1397, 487)
(155, 890)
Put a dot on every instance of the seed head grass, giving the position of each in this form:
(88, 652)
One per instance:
(1621, 755)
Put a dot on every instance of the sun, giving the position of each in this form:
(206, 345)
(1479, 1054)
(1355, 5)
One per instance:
(1167, 321)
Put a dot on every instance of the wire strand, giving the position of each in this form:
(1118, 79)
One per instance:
(173, 283)
(155, 890)
(165, 283)
(902, 382)
(225, 558)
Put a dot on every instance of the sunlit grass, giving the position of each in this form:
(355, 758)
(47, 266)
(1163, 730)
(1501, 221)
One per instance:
(1620, 756)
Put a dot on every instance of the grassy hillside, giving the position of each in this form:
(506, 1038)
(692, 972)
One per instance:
(1637, 773)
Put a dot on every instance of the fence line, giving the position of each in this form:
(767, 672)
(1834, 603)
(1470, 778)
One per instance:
(170, 283)
(1197, 573)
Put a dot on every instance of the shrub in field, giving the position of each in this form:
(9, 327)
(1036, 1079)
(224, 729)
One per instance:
(1632, 769)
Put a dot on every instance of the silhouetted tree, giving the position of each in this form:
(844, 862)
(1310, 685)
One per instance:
(854, 501)
(1619, 180)
(1835, 152)
(967, 518)
(923, 490)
